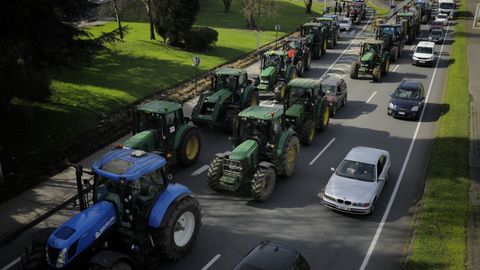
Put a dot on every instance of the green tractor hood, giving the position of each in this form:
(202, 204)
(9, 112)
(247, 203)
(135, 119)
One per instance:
(219, 95)
(244, 150)
(268, 72)
(144, 140)
(367, 57)
(295, 110)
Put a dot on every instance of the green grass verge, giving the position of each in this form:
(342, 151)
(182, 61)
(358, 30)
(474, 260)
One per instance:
(135, 69)
(440, 241)
(379, 11)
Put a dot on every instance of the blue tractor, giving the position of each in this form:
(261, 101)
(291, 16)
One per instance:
(137, 217)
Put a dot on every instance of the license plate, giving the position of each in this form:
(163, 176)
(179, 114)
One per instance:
(343, 208)
(421, 62)
(401, 113)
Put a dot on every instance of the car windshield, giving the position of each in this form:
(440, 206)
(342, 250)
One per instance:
(424, 50)
(447, 5)
(357, 170)
(346, 21)
(442, 16)
(406, 94)
(329, 89)
(436, 33)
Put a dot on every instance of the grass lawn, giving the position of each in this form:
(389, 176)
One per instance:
(440, 241)
(379, 11)
(132, 70)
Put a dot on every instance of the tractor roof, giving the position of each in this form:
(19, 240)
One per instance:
(159, 106)
(323, 19)
(304, 83)
(280, 53)
(229, 71)
(314, 24)
(262, 112)
(127, 164)
(373, 41)
(406, 14)
(294, 39)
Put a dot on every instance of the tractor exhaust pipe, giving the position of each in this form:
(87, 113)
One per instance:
(81, 195)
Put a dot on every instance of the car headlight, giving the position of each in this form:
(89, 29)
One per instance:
(325, 196)
(61, 258)
(391, 105)
(361, 204)
(415, 108)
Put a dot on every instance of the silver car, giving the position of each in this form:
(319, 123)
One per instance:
(358, 181)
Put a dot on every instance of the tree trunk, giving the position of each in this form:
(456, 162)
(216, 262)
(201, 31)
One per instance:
(226, 5)
(150, 18)
(118, 19)
(308, 5)
(251, 22)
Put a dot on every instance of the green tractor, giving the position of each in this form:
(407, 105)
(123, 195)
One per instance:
(299, 53)
(160, 126)
(356, 10)
(265, 148)
(306, 108)
(231, 92)
(276, 70)
(373, 59)
(332, 29)
(317, 36)
(411, 19)
(393, 38)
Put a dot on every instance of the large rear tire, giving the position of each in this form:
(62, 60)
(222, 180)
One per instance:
(177, 237)
(394, 54)
(324, 46)
(214, 173)
(263, 184)
(316, 52)
(290, 156)
(308, 62)
(307, 133)
(324, 118)
(354, 70)
(386, 67)
(300, 69)
(190, 146)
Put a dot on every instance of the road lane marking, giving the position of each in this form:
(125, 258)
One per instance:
(404, 167)
(413, 46)
(370, 98)
(200, 170)
(321, 152)
(211, 262)
(349, 45)
(395, 68)
(12, 263)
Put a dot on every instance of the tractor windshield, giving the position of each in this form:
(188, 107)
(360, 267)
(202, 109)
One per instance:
(272, 60)
(299, 95)
(250, 127)
(388, 30)
(148, 120)
(225, 81)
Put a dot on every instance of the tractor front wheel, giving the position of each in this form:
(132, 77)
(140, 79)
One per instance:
(214, 173)
(189, 148)
(263, 184)
(377, 73)
(177, 237)
(386, 67)
(307, 133)
(354, 70)
(290, 156)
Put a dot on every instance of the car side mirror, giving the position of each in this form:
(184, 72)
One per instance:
(381, 179)
(332, 169)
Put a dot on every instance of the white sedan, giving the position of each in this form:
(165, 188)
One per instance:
(443, 18)
(358, 181)
(345, 23)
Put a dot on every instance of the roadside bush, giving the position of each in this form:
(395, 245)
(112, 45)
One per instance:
(199, 38)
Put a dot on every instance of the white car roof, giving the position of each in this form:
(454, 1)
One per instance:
(365, 154)
(426, 44)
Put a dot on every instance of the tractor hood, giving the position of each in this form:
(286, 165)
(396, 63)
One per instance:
(244, 150)
(267, 72)
(144, 140)
(79, 233)
(295, 110)
(367, 57)
(221, 94)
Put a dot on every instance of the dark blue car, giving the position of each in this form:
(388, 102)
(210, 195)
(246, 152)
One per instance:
(408, 100)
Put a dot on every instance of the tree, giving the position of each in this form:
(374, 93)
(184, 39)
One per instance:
(257, 9)
(115, 7)
(148, 6)
(174, 18)
(308, 5)
(39, 36)
(226, 5)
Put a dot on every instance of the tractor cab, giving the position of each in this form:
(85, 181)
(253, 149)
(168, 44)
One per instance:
(230, 79)
(293, 46)
(371, 49)
(373, 59)
(276, 70)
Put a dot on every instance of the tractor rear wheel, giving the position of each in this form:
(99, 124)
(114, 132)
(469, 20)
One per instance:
(290, 156)
(281, 87)
(308, 61)
(386, 67)
(394, 53)
(177, 237)
(263, 184)
(354, 70)
(316, 52)
(333, 112)
(300, 69)
(324, 118)
(214, 173)
(377, 73)
(34, 256)
(307, 133)
(189, 148)
(324, 46)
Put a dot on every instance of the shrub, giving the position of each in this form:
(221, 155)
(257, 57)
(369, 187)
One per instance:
(199, 38)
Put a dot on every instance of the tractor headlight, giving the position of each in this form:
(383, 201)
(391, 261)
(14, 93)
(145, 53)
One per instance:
(46, 254)
(391, 105)
(415, 108)
(61, 258)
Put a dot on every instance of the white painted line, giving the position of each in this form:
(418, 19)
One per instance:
(349, 45)
(402, 171)
(211, 262)
(200, 170)
(413, 46)
(321, 152)
(370, 98)
(395, 68)
(8, 266)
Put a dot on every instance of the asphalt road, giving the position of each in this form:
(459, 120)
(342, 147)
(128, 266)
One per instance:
(233, 224)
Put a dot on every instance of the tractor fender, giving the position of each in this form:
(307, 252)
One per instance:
(106, 259)
(182, 130)
(265, 164)
(283, 140)
(224, 154)
(172, 194)
(247, 94)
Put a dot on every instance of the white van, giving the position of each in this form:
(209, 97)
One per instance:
(447, 7)
(424, 53)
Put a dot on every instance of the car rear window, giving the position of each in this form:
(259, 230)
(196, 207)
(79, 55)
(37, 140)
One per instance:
(424, 50)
